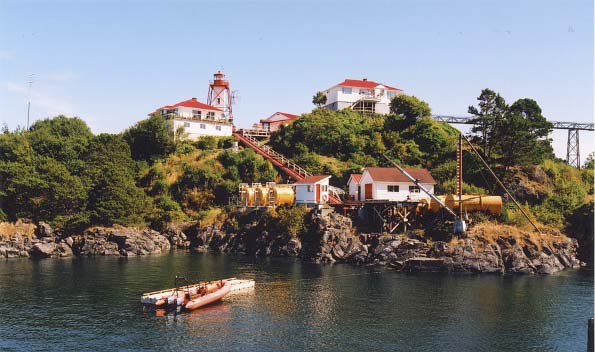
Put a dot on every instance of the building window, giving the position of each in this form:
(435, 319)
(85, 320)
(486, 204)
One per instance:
(364, 91)
(393, 188)
(186, 124)
(324, 188)
(413, 189)
(196, 114)
(218, 100)
(211, 115)
(391, 95)
(203, 126)
(218, 128)
(310, 188)
(346, 90)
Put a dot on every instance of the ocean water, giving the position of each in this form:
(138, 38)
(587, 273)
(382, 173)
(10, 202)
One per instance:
(92, 304)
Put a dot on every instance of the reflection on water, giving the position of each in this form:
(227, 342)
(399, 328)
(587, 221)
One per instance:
(93, 304)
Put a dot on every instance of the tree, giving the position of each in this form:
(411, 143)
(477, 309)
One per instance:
(492, 108)
(319, 99)
(521, 136)
(409, 107)
(150, 139)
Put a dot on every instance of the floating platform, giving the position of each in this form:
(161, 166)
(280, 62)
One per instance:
(159, 298)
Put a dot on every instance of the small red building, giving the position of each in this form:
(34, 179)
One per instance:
(273, 122)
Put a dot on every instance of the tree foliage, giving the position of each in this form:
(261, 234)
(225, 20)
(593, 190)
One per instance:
(319, 99)
(150, 139)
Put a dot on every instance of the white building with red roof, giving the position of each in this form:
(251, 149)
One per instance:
(312, 190)
(361, 95)
(388, 183)
(196, 119)
(278, 119)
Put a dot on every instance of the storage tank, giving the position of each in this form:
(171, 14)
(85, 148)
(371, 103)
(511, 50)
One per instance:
(489, 204)
(246, 195)
(283, 195)
(261, 196)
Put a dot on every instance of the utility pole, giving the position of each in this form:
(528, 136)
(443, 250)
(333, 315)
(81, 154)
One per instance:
(30, 82)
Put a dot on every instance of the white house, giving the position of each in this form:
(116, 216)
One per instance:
(312, 190)
(273, 122)
(361, 95)
(388, 183)
(197, 119)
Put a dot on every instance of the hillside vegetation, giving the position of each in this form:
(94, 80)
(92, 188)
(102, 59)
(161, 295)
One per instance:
(59, 172)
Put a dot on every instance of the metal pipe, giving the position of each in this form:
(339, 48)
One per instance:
(418, 184)
(500, 183)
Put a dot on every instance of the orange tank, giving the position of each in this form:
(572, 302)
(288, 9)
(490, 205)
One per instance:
(489, 204)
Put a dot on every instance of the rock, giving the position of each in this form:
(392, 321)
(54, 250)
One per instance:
(44, 230)
(43, 250)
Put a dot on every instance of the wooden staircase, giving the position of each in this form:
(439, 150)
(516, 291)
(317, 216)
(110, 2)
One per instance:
(286, 165)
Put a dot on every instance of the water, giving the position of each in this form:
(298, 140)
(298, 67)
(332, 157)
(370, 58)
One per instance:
(92, 304)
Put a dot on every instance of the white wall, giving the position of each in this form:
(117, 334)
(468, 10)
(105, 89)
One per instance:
(194, 130)
(187, 112)
(380, 190)
(353, 189)
(302, 196)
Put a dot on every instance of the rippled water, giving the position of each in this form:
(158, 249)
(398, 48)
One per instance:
(93, 304)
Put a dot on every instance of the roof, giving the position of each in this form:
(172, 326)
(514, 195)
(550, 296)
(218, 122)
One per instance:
(392, 174)
(273, 117)
(356, 177)
(192, 103)
(313, 179)
(364, 83)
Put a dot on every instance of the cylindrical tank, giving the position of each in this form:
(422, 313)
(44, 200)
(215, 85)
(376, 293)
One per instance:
(246, 195)
(283, 195)
(489, 204)
(261, 196)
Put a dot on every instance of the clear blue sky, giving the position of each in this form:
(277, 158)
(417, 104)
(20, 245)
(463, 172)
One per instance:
(111, 63)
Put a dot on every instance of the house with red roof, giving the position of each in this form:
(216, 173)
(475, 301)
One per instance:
(276, 120)
(312, 190)
(388, 183)
(361, 95)
(196, 119)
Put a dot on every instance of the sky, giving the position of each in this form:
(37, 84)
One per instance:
(113, 62)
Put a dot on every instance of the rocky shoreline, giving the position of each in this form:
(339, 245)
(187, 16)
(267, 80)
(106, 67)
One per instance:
(488, 248)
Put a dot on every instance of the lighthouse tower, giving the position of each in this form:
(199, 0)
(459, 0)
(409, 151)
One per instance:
(220, 95)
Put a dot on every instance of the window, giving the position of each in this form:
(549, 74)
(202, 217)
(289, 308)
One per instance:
(310, 188)
(393, 188)
(324, 188)
(196, 114)
(391, 95)
(346, 90)
(186, 124)
(203, 126)
(413, 189)
(218, 128)
(218, 100)
(211, 115)
(364, 91)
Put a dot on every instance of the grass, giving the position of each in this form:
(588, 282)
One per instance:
(8, 229)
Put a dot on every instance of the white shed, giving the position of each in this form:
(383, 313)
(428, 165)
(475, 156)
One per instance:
(312, 190)
(388, 183)
(353, 185)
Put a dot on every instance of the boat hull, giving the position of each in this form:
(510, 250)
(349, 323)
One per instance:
(214, 296)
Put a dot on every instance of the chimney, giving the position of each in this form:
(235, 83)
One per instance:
(365, 79)
(193, 99)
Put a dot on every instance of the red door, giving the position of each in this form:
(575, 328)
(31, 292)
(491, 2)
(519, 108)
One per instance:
(368, 190)
(317, 193)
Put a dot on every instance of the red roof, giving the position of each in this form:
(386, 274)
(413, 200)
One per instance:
(364, 83)
(313, 179)
(392, 174)
(192, 103)
(356, 177)
(287, 115)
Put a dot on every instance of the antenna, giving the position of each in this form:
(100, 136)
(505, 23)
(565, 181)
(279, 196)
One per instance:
(235, 96)
(30, 82)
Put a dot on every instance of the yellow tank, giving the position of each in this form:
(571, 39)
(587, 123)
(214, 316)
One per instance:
(246, 195)
(283, 195)
(489, 204)
(261, 196)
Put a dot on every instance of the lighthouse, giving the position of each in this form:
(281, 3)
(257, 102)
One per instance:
(220, 95)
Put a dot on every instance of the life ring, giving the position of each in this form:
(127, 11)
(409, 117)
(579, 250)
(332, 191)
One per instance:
(324, 198)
